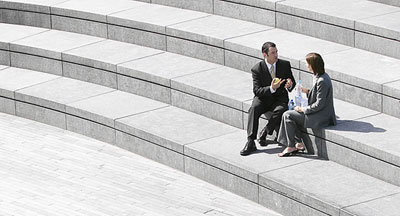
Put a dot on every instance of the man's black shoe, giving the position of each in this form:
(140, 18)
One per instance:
(266, 141)
(249, 148)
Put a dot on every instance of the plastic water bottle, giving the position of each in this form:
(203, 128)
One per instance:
(299, 92)
(291, 104)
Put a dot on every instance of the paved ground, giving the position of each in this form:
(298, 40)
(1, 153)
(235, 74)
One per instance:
(50, 171)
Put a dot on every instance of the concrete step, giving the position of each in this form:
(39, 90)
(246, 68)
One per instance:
(196, 145)
(361, 24)
(218, 39)
(354, 23)
(102, 61)
(51, 171)
(209, 89)
(388, 2)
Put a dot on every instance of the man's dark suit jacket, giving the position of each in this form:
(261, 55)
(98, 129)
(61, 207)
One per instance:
(262, 80)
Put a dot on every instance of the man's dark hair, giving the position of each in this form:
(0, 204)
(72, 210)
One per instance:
(265, 47)
(316, 62)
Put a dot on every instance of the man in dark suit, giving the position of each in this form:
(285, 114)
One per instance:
(269, 95)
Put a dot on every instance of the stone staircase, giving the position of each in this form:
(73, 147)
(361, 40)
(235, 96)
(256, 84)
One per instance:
(173, 85)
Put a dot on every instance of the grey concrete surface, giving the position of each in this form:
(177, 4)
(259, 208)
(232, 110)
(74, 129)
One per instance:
(362, 163)
(87, 27)
(391, 102)
(29, 18)
(37, 63)
(313, 28)
(377, 44)
(144, 88)
(389, 2)
(197, 5)
(107, 54)
(223, 152)
(363, 71)
(284, 204)
(207, 108)
(13, 79)
(240, 61)
(50, 171)
(370, 136)
(358, 96)
(196, 50)
(385, 206)
(9, 33)
(326, 185)
(89, 74)
(7, 106)
(245, 11)
(90, 129)
(139, 37)
(161, 68)
(108, 107)
(95, 10)
(40, 114)
(172, 127)
(213, 30)
(223, 85)
(150, 150)
(341, 12)
(222, 179)
(291, 46)
(4, 57)
(56, 93)
(51, 43)
(152, 17)
(385, 25)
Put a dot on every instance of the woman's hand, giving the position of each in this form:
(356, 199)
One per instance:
(304, 90)
(298, 109)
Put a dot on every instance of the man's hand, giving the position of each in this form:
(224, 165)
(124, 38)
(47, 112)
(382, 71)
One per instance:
(289, 83)
(276, 85)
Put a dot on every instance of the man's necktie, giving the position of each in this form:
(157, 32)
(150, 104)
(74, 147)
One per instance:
(272, 70)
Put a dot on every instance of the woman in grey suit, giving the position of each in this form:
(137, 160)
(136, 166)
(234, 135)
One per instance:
(319, 113)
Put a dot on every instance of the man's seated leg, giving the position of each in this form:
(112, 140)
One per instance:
(256, 110)
(274, 121)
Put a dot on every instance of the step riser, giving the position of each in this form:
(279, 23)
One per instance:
(345, 155)
(308, 27)
(194, 167)
(258, 186)
(360, 96)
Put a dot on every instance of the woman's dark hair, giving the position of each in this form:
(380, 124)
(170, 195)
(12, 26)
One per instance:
(316, 62)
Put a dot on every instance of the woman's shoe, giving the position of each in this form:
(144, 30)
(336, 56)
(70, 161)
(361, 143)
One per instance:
(300, 147)
(287, 154)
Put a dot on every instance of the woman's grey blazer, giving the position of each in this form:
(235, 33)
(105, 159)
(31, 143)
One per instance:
(320, 111)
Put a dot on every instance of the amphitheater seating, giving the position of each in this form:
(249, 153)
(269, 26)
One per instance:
(173, 85)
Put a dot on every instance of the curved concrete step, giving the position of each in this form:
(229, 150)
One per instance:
(236, 44)
(196, 145)
(51, 171)
(212, 90)
(101, 61)
(362, 24)
(388, 2)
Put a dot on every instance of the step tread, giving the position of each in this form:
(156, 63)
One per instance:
(219, 145)
(106, 54)
(152, 17)
(375, 135)
(96, 10)
(59, 92)
(318, 183)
